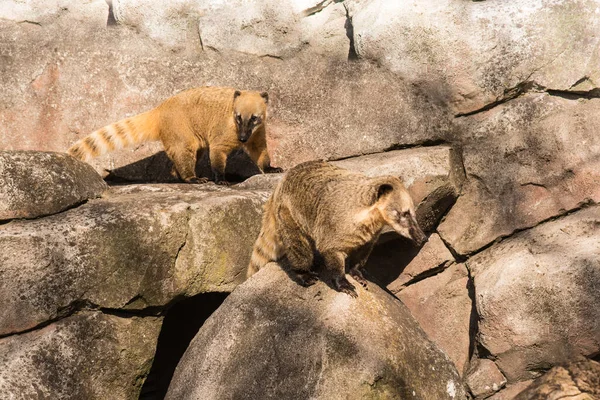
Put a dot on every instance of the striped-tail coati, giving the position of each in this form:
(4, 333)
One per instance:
(320, 208)
(214, 118)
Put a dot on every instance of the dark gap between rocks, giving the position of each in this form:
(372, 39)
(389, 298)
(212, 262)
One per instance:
(110, 21)
(474, 318)
(389, 257)
(182, 322)
(352, 54)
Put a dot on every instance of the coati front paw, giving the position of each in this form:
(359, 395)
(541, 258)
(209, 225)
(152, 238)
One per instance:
(358, 277)
(343, 285)
(308, 278)
(196, 180)
(223, 183)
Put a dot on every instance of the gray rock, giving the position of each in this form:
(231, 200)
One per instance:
(33, 184)
(298, 343)
(90, 355)
(140, 246)
(537, 295)
(527, 160)
(442, 306)
(577, 380)
(470, 54)
(485, 378)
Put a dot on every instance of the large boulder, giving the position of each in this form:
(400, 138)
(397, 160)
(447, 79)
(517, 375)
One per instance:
(473, 54)
(34, 184)
(528, 160)
(577, 380)
(297, 343)
(537, 295)
(139, 246)
(90, 355)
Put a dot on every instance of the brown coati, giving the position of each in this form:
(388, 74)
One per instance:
(318, 208)
(216, 119)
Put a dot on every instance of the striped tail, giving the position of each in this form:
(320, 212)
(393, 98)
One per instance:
(127, 132)
(267, 247)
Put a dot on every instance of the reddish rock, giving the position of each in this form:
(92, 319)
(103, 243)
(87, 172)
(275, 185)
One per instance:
(484, 378)
(442, 306)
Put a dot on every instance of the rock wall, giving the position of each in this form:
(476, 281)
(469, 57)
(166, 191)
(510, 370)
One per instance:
(488, 110)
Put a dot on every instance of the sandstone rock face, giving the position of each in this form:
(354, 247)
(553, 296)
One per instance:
(511, 391)
(527, 160)
(33, 183)
(469, 54)
(537, 295)
(90, 355)
(442, 306)
(139, 246)
(577, 380)
(296, 343)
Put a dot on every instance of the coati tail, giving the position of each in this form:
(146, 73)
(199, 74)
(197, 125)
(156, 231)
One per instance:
(266, 248)
(127, 132)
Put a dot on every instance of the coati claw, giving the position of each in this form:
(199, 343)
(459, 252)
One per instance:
(223, 183)
(273, 170)
(343, 285)
(196, 180)
(358, 277)
(308, 278)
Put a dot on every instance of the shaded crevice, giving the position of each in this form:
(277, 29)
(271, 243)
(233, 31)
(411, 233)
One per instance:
(532, 86)
(474, 318)
(181, 323)
(68, 208)
(352, 54)
(428, 274)
(458, 257)
(423, 144)
(111, 20)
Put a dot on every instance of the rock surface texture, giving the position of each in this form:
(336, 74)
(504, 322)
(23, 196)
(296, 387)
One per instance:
(34, 184)
(273, 339)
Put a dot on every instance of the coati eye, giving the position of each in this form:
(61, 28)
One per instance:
(238, 118)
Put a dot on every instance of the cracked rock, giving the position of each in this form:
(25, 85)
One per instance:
(537, 295)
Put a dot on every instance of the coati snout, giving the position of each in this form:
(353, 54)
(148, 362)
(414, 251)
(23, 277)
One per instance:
(397, 209)
(248, 118)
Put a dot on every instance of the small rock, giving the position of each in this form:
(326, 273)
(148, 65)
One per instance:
(485, 379)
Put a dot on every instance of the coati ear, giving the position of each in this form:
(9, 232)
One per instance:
(236, 94)
(383, 190)
(265, 96)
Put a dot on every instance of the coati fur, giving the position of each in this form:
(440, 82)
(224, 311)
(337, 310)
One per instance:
(217, 119)
(318, 208)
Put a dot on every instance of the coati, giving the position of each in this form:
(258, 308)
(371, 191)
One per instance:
(318, 208)
(215, 118)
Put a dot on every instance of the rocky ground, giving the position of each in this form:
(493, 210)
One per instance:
(487, 110)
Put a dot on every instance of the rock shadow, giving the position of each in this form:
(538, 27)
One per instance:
(157, 169)
(181, 323)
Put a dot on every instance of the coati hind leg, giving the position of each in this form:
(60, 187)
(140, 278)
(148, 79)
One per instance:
(335, 263)
(298, 248)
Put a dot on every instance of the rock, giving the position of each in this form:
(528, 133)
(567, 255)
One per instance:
(433, 256)
(34, 183)
(510, 391)
(90, 355)
(537, 296)
(140, 246)
(472, 54)
(485, 378)
(577, 380)
(297, 342)
(528, 160)
(442, 306)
